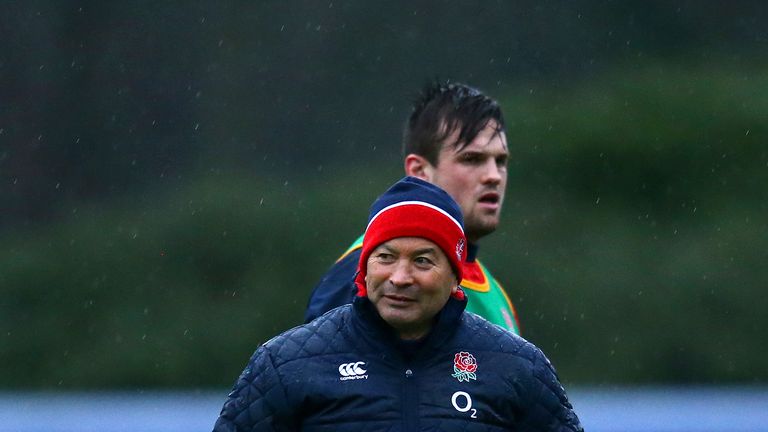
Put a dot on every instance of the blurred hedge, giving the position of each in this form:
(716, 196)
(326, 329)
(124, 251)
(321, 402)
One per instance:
(638, 222)
(633, 245)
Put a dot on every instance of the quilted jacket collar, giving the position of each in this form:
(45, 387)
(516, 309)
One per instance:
(368, 324)
(472, 249)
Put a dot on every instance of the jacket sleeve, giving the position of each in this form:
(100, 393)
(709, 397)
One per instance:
(548, 408)
(336, 288)
(257, 402)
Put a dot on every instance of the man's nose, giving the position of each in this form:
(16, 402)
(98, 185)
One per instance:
(402, 274)
(492, 172)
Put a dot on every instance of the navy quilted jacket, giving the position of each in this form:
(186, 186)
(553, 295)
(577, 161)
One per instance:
(347, 371)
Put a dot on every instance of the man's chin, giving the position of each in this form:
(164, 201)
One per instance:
(395, 316)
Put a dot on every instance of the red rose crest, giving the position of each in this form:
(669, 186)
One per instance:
(464, 366)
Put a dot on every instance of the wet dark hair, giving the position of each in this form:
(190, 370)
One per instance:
(440, 109)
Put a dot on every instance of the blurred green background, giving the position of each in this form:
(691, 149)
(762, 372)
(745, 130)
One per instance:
(176, 176)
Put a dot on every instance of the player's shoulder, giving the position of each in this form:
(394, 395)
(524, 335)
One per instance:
(356, 246)
(484, 268)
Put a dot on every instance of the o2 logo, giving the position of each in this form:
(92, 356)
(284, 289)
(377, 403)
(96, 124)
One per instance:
(462, 401)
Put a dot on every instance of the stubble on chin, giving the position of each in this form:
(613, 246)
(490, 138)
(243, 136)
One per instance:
(478, 230)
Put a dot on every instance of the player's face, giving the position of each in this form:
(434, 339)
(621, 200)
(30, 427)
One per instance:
(476, 177)
(409, 279)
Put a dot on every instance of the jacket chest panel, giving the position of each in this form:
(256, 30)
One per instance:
(415, 396)
(345, 389)
(467, 404)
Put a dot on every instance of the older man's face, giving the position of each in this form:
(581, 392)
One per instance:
(409, 279)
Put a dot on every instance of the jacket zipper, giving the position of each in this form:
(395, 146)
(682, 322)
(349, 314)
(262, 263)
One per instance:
(410, 400)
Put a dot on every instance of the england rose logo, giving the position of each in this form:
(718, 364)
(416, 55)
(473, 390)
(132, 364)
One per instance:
(464, 366)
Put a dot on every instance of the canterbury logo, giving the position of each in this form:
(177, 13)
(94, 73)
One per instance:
(352, 370)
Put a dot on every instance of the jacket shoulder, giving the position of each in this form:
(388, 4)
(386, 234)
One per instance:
(484, 335)
(493, 337)
(318, 337)
(526, 369)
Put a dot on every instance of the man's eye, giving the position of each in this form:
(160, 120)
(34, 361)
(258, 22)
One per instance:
(471, 158)
(423, 261)
(385, 257)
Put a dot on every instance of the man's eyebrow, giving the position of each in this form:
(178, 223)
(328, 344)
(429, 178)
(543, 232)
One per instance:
(426, 250)
(421, 251)
(385, 247)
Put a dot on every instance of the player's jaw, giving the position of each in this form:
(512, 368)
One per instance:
(482, 215)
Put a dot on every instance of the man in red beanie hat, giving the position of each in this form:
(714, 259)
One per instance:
(404, 356)
(412, 250)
